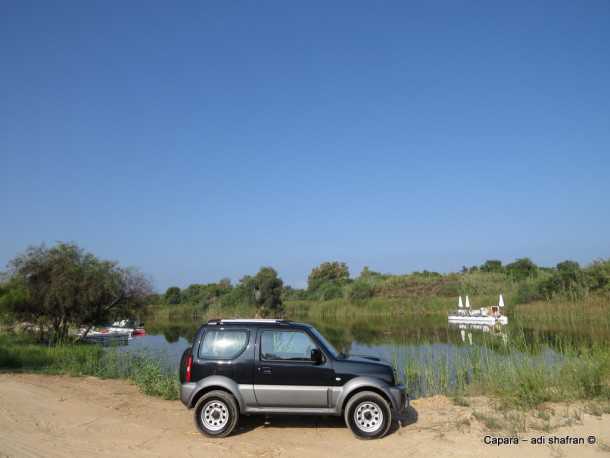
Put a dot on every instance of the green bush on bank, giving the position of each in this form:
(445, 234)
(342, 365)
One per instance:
(20, 353)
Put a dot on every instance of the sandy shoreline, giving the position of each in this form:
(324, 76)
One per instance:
(59, 416)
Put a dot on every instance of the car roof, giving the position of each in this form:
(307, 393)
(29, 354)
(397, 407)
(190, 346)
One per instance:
(257, 323)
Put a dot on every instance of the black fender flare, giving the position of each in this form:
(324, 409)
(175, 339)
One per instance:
(216, 382)
(362, 384)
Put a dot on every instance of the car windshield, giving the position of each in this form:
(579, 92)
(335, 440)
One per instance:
(326, 344)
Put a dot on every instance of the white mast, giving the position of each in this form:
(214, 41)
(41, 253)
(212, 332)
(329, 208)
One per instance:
(501, 302)
(460, 304)
(467, 302)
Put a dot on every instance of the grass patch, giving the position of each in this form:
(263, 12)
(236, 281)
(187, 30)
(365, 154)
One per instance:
(543, 414)
(491, 422)
(461, 401)
(19, 353)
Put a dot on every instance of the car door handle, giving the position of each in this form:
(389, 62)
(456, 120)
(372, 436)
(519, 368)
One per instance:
(265, 369)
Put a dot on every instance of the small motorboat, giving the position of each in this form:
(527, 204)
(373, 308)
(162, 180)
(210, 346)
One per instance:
(484, 315)
(104, 337)
(119, 330)
(127, 326)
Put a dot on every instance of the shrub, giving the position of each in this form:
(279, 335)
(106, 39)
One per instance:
(522, 269)
(329, 291)
(528, 292)
(360, 291)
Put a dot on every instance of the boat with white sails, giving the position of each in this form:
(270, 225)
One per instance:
(483, 315)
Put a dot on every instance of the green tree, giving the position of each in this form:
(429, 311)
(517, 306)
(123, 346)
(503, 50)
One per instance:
(173, 295)
(360, 291)
(567, 279)
(522, 269)
(225, 283)
(63, 285)
(366, 273)
(241, 294)
(11, 294)
(492, 265)
(328, 272)
(193, 294)
(154, 299)
(598, 275)
(267, 292)
(572, 279)
(290, 293)
(328, 291)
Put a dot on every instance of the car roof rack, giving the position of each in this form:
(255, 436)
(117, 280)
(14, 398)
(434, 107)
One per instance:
(219, 321)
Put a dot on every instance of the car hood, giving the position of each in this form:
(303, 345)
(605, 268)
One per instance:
(366, 359)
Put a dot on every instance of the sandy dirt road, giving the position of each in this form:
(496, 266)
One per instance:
(55, 416)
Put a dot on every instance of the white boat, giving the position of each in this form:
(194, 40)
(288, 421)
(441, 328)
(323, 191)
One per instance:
(126, 326)
(108, 338)
(488, 320)
(484, 315)
(104, 332)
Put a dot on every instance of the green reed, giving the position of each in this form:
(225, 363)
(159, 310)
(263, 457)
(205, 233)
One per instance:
(521, 374)
(19, 353)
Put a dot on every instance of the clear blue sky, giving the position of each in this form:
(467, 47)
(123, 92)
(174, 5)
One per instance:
(200, 140)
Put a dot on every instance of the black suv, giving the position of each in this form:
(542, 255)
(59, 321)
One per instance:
(280, 367)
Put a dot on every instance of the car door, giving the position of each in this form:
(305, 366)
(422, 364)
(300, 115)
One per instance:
(285, 375)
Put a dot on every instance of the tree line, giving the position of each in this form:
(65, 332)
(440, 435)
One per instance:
(64, 286)
(332, 280)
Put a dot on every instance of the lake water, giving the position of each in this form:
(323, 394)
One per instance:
(424, 346)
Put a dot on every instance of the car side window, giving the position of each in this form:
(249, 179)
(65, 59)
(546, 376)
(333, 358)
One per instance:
(223, 344)
(286, 345)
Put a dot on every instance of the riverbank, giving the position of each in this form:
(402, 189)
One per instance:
(19, 353)
(60, 416)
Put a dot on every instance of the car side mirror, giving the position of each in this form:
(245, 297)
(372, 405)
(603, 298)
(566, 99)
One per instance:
(316, 356)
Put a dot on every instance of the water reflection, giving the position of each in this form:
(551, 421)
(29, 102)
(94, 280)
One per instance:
(467, 330)
(377, 331)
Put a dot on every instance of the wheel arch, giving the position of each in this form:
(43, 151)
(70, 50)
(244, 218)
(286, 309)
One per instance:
(217, 383)
(360, 384)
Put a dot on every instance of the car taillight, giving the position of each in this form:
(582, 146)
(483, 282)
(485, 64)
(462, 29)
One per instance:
(189, 364)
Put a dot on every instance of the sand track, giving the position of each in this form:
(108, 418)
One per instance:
(57, 416)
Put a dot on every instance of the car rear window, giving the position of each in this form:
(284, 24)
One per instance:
(223, 344)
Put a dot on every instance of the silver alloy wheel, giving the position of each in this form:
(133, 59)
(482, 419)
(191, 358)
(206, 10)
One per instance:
(214, 415)
(368, 416)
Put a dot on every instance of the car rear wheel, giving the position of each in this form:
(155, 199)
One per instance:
(216, 414)
(368, 415)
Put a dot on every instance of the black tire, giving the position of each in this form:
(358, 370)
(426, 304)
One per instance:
(368, 415)
(216, 414)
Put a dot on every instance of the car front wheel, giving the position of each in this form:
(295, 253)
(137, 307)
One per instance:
(216, 414)
(368, 415)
